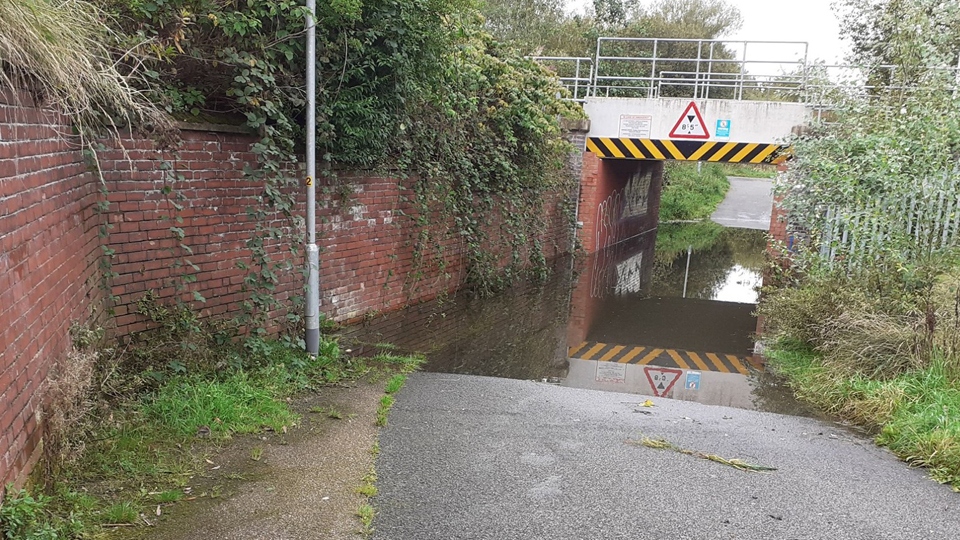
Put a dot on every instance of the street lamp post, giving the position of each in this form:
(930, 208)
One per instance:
(312, 337)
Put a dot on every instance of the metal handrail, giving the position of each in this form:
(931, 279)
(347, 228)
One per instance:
(577, 82)
(599, 75)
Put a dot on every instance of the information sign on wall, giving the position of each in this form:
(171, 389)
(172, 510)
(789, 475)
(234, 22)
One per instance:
(635, 126)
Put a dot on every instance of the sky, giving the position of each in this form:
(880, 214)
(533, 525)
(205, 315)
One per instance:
(812, 21)
(809, 20)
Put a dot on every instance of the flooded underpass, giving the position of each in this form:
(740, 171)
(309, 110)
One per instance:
(669, 313)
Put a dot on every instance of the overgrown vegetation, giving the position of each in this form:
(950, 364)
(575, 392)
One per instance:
(148, 425)
(866, 319)
(691, 192)
(61, 53)
(414, 86)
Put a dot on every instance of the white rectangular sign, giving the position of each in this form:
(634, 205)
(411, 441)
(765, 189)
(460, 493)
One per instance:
(635, 126)
(611, 372)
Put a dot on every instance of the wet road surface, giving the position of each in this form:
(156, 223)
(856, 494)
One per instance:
(747, 204)
(468, 457)
(529, 422)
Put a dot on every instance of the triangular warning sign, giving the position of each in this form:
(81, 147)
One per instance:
(690, 125)
(662, 379)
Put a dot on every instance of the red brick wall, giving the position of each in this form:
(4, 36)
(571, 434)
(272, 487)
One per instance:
(205, 175)
(778, 225)
(603, 182)
(369, 259)
(50, 247)
(49, 252)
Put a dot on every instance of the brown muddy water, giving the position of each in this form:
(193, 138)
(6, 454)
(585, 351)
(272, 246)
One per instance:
(667, 314)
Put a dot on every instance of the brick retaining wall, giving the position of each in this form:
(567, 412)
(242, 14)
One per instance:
(49, 252)
(50, 245)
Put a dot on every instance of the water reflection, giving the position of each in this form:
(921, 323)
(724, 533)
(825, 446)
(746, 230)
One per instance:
(729, 389)
(668, 314)
(709, 262)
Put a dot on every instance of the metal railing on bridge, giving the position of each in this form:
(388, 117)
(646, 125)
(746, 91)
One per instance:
(720, 69)
(576, 73)
(695, 68)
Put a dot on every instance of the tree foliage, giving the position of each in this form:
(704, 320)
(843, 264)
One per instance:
(909, 35)
(690, 19)
(559, 33)
(528, 24)
(889, 154)
(576, 35)
(414, 84)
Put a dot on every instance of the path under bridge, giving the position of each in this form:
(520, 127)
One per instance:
(650, 100)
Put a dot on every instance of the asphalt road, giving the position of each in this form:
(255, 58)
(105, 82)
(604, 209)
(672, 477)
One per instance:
(468, 457)
(747, 204)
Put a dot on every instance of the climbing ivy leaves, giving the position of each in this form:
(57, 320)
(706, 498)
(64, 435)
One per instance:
(414, 85)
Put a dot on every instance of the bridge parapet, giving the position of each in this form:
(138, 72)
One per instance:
(720, 69)
(698, 130)
(742, 99)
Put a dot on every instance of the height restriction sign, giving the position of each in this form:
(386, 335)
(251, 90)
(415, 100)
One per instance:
(690, 125)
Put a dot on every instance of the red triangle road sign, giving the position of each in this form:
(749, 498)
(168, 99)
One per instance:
(662, 379)
(690, 125)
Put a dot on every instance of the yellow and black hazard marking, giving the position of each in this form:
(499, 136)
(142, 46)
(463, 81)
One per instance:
(654, 356)
(715, 151)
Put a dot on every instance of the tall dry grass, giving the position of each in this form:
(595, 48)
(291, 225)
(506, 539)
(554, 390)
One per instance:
(873, 326)
(60, 51)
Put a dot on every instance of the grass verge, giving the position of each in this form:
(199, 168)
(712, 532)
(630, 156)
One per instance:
(914, 413)
(691, 195)
(143, 449)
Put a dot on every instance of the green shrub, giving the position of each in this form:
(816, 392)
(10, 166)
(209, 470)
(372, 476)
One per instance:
(24, 516)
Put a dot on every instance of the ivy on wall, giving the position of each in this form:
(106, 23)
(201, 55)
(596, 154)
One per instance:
(413, 85)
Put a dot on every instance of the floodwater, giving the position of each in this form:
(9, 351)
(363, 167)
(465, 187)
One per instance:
(666, 314)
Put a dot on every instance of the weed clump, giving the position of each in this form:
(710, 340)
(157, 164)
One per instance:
(68, 401)
(880, 349)
(874, 323)
(240, 403)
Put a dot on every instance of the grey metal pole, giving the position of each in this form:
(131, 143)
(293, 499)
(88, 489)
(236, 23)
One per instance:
(312, 337)
(686, 273)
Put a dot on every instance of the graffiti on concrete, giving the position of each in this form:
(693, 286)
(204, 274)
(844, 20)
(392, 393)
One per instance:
(636, 194)
(629, 202)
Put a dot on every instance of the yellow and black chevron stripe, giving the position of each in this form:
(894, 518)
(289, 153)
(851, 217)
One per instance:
(732, 152)
(654, 356)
